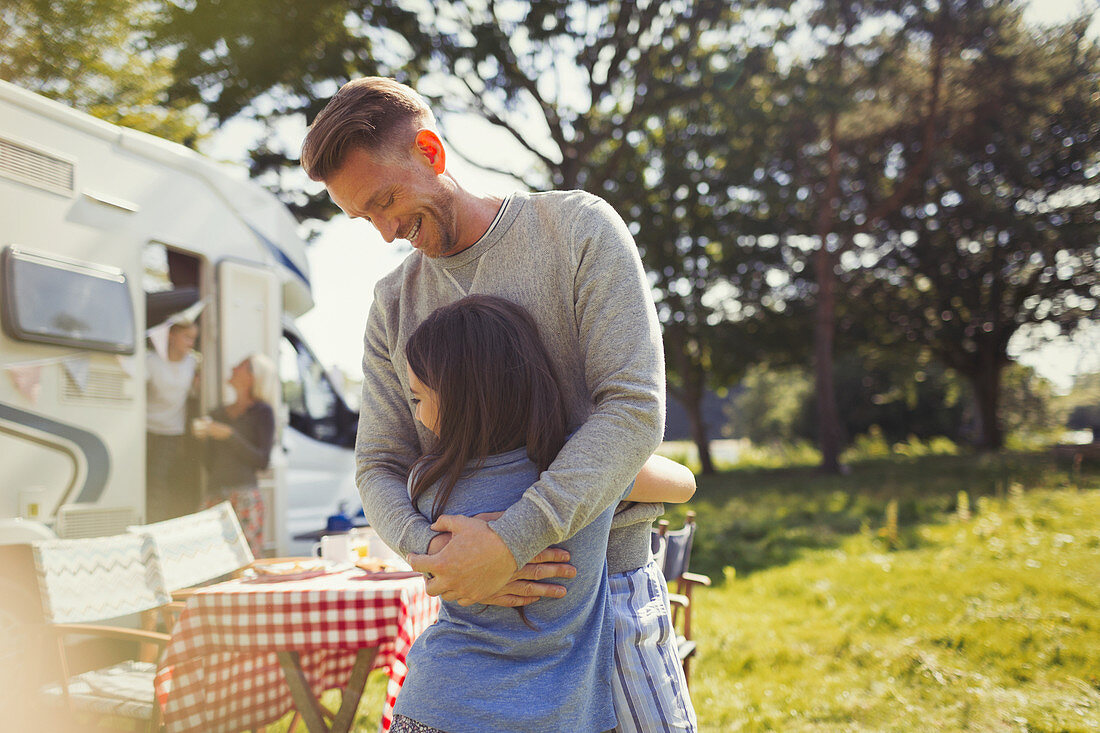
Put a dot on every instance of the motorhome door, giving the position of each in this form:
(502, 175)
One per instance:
(249, 313)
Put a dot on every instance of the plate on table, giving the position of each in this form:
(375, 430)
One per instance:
(294, 569)
(384, 569)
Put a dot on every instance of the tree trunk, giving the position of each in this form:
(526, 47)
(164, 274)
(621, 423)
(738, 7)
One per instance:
(828, 420)
(986, 381)
(690, 392)
(694, 407)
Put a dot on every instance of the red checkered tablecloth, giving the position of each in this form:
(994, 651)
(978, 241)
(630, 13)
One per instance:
(221, 673)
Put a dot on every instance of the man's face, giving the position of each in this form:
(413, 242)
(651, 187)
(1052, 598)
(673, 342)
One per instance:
(404, 198)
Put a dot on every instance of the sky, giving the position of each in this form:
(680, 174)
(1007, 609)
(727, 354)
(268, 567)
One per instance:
(349, 257)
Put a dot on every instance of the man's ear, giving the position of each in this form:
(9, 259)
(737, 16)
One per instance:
(431, 147)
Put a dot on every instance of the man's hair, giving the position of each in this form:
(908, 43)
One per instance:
(496, 388)
(368, 113)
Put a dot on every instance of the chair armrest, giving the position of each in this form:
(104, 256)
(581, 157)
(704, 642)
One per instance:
(678, 599)
(114, 632)
(182, 594)
(172, 612)
(696, 578)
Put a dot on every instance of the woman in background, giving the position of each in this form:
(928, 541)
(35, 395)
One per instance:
(239, 440)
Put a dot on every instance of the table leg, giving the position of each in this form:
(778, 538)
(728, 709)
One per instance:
(308, 705)
(353, 693)
(301, 692)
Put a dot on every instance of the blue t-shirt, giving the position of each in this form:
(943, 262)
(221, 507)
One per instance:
(481, 669)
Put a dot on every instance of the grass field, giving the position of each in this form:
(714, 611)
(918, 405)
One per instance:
(989, 624)
(820, 620)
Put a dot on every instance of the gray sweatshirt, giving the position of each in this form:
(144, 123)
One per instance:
(569, 259)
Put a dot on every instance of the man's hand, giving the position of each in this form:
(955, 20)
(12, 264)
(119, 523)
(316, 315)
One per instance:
(473, 567)
(524, 588)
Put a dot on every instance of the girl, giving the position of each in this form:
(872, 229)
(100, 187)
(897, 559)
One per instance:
(483, 384)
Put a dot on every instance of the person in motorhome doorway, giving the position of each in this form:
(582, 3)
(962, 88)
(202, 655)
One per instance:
(169, 380)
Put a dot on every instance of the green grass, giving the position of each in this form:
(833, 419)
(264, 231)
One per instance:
(754, 519)
(991, 624)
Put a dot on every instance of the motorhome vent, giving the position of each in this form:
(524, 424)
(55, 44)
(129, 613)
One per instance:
(101, 385)
(77, 521)
(35, 167)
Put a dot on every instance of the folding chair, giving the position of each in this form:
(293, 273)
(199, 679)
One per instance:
(198, 548)
(672, 550)
(94, 580)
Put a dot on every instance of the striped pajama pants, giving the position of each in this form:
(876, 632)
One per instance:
(648, 686)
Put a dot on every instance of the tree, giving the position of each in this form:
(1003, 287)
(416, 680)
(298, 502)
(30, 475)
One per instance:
(773, 406)
(91, 54)
(1006, 233)
(700, 244)
(841, 167)
(612, 97)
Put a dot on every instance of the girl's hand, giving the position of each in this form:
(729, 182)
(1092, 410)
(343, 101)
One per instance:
(219, 430)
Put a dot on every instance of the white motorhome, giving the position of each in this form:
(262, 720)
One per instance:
(105, 232)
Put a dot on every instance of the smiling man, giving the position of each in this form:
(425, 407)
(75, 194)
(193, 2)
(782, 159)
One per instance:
(565, 256)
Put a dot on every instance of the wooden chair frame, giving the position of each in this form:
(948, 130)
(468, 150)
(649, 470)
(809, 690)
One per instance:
(680, 595)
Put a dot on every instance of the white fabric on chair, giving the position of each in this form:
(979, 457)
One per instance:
(98, 578)
(199, 547)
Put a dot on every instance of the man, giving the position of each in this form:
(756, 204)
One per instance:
(565, 256)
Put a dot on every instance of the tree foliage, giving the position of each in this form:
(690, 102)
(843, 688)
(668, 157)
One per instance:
(1006, 232)
(912, 171)
(92, 55)
(612, 97)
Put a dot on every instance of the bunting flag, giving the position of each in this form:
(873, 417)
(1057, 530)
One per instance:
(27, 379)
(159, 336)
(189, 314)
(27, 376)
(78, 370)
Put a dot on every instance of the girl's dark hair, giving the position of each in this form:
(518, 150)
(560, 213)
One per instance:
(496, 387)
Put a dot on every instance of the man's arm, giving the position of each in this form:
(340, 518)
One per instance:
(386, 444)
(623, 359)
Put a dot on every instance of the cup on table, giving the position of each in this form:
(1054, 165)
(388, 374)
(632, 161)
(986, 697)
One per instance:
(359, 539)
(381, 550)
(334, 547)
(200, 426)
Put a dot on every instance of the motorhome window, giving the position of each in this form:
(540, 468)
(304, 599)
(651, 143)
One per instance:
(307, 393)
(54, 300)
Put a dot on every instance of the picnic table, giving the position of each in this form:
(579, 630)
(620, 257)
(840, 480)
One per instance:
(244, 652)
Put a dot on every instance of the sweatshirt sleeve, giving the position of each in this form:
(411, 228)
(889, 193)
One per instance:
(623, 358)
(387, 444)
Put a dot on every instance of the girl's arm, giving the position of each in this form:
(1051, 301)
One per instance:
(663, 480)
